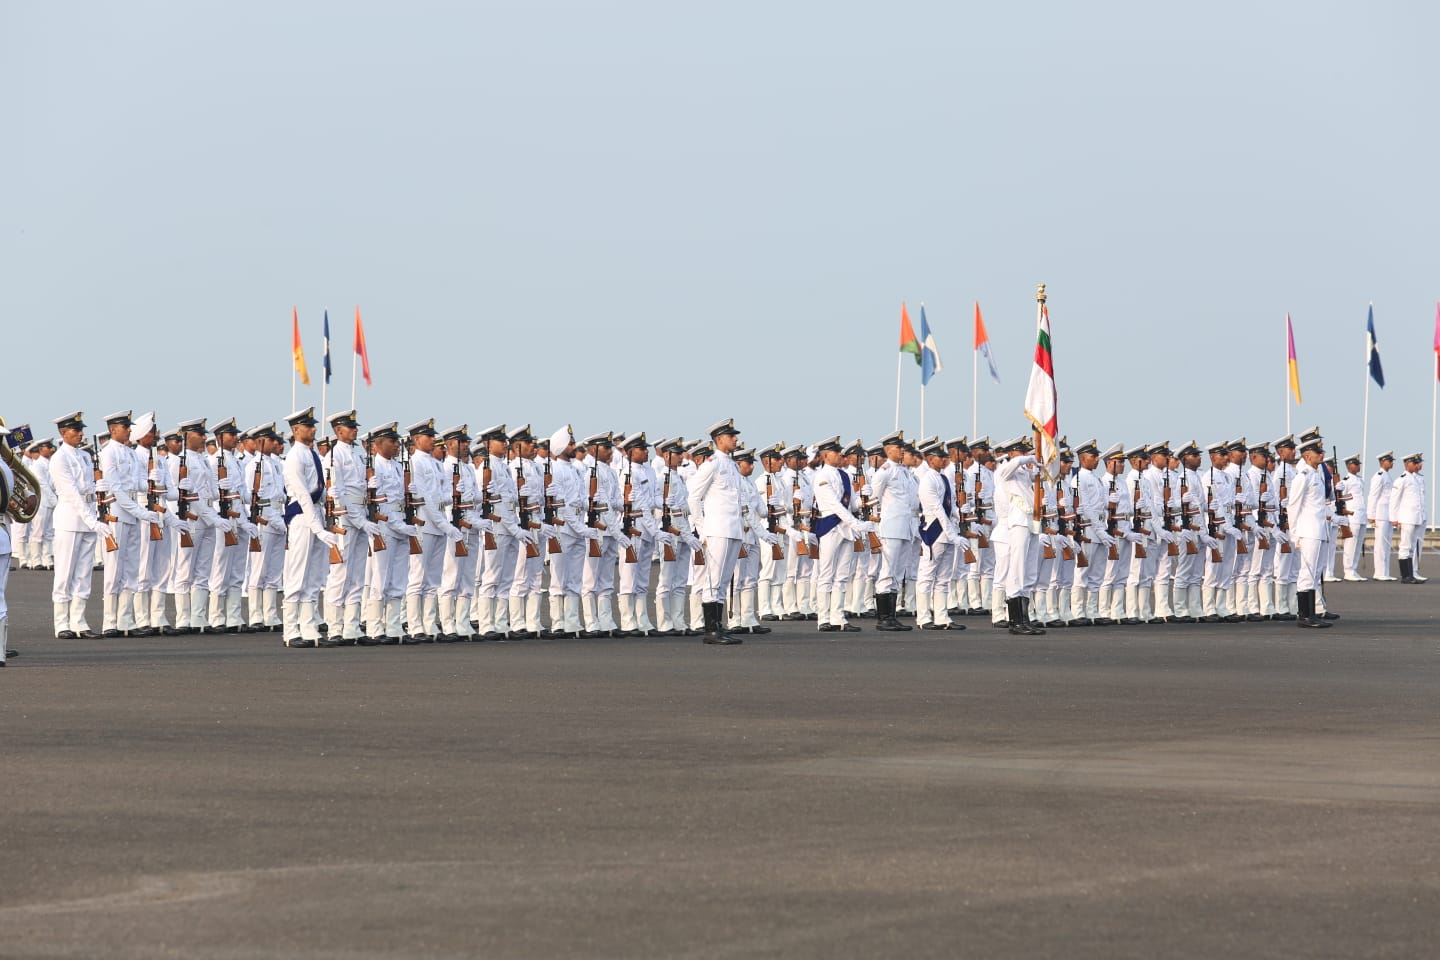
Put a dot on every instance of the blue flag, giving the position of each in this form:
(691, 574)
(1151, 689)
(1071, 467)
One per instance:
(1372, 349)
(929, 355)
(327, 346)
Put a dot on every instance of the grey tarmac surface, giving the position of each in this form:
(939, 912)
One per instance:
(1188, 791)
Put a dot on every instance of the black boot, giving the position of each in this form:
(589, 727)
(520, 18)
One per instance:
(1407, 571)
(1019, 618)
(885, 614)
(1305, 599)
(714, 614)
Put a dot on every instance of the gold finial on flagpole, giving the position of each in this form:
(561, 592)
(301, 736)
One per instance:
(1040, 293)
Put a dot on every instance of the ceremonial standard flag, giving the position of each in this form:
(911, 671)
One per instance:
(298, 351)
(929, 355)
(908, 342)
(982, 343)
(1294, 367)
(1372, 349)
(326, 361)
(1040, 397)
(360, 348)
(1437, 341)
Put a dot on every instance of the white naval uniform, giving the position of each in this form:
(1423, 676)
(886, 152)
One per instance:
(307, 555)
(567, 493)
(431, 486)
(597, 580)
(227, 573)
(715, 495)
(457, 573)
(634, 582)
(193, 564)
(1407, 510)
(496, 568)
(938, 536)
(523, 607)
(1309, 511)
(1353, 487)
(796, 592)
(771, 576)
(1219, 501)
(671, 590)
(1377, 508)
(266, 570)
(7, 490)
(897, 494)
(836, 530)
(345, 581)
(76, 532)
(1014, 480)
(156, 556)
(388, 570)
(125, 483)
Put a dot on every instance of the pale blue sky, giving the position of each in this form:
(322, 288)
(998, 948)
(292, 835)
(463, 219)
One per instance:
(659, 214)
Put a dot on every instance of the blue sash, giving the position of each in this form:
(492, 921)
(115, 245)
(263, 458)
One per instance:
(292, 507)
(830, 521)
(930, 534)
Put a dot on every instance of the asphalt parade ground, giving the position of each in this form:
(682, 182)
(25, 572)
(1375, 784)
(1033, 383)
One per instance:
(1251, 790)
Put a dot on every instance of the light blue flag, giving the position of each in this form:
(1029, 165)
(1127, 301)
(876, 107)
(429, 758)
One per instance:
(929, 354)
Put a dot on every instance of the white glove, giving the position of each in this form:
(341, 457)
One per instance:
(409, 530)
(511, 530)
(957, 539)
(665, 539)
(525, 536)
(590, 533)
(370, 529)
(549, 531)
(328, 538)
(694, 543)
(1135, 538)
(187, 484)
(1231, 532)
(811, 539)
(767, 537)
(1105, 539)
(623, 541)
(249, 529)
(149, 516)
(453, 533)
(1210, 541)
(648, 526)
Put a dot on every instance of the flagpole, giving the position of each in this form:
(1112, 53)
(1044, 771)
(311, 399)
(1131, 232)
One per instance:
(354, 360)
(1287, 374)
(975, 392)
(898, 358)
(922, 411)
(1365, 428)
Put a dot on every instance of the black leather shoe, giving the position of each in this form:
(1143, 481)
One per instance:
(829, 628)
(389, 641)
(448, 638)
(346, 642)
(212, 631)
(232, 629)
(66, 635)
(143, 632)
(592, 634)
(110, 634)
(1210, 618)
(812, 616)
(739, 631)
(692, 632)
(1311, 622)
(795, 616)
(759, 630)
(87, 635)
(1130, 621)
(1284, 616)
(997, 624)
(723, 640)
(299, 643)
(327, 642)
(1253, 618)
(849, 628)
(1103, 622)
(1022, 629)
(368, 641)
(1330, 616)
(171, 632)
(1157, 620)
(932, 625)
(415, 638)
(770, 618)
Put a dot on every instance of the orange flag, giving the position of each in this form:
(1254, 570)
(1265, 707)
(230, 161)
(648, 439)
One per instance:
(360, 347)
(297, 349)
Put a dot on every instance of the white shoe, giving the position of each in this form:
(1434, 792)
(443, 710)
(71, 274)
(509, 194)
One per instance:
(1329, 579)
(1385, 579)
(1355, 580)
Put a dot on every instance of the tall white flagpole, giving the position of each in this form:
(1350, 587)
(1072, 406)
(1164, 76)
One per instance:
(1287, 374)
(1365, 428)
(975, 392)
(898, 358)
(354, 360)
(922, 410)
(1434, 382)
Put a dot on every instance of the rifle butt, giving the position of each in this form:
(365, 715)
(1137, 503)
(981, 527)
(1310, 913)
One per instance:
(668, 554)
(595, 550)
(1114, 553)
(777, 552)
(1048, 555)
(335, 555)
(185, 539)
(1190, 548)
(531, 551)
(110, 545)
(230, 539)
(554, 546)
(415, 548)
(699, 560)
(255, 545)
(1172, 550)
(157, 532)
(859, 545)
(1067, 553)
(983, 542)
(875, 545)
(1140, 553)
(1082, 561)
(1285, 548)
(630, 556)
(744, 552)
(460, 549)
(377, 543)
(489, 540)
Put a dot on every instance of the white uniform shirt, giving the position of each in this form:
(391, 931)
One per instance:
(1407, 499)
(1377, 508)
(715, 493)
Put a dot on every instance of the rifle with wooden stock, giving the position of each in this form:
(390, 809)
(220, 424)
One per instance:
(550, 513)
(154, 499)
(373, 499)
(1139, 516)
(457, 510)
(487, 505)
(225, 501)
(1110, 521)
(255, 504)
(1284, 521)
(772, 519)
(332, 517)
(667, 521)
(627, 516)
(1187, 513)
(524, 510)
(103, 499)
(1212, 521)
(184, 497)
(412, 508)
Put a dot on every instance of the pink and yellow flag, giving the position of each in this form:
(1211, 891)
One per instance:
(1294, 367)
(297, 350)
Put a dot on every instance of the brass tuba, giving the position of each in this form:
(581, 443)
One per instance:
(24, 500)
